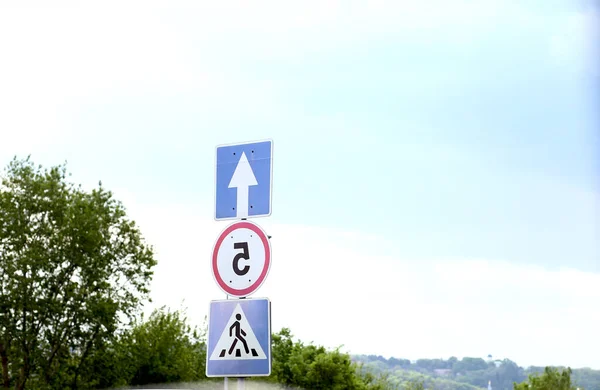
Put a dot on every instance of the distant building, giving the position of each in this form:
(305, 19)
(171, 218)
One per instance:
(489, 385)
(442, 371)
(490, 359)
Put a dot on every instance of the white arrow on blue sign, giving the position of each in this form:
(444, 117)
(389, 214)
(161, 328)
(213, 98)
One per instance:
(239, 338)
(243, 180)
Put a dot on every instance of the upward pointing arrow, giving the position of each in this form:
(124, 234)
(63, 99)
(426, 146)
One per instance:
(242, 178)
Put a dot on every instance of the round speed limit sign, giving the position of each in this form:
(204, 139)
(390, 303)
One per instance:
(241, 258)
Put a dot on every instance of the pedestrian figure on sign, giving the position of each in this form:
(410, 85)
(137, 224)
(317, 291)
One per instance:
(239, 334)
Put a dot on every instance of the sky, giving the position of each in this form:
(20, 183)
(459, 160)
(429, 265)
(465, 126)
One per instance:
(436, 177)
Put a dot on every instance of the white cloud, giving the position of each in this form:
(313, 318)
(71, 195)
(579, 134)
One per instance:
(271, 30)
(53, 58)
(59, 63)
(60, 60)
(327, 287)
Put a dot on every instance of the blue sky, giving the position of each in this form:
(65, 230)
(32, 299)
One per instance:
(446, 148)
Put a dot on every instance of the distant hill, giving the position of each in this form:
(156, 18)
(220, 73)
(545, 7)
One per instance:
(464, 374)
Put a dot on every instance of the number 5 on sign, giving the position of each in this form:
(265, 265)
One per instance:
(236, 260)
(241, 258)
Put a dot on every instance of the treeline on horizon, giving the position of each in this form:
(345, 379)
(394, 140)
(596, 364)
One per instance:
(75, 272)
(465, 373)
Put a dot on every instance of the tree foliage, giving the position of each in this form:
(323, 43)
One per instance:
(73, 268)
(158, 350)
(590, 379)
(551, 379)
(314, 367)
(163, 349)
(466, 374)
(414, 385)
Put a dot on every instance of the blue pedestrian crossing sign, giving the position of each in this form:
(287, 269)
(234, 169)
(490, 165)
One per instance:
(243, 180)
(239, 338)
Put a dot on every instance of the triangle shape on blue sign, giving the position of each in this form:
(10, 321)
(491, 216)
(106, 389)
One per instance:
(238, 341)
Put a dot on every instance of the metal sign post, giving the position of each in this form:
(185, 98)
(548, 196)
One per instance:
(239, 330)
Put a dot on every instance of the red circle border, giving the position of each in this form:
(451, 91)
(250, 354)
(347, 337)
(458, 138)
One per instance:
(267, 246)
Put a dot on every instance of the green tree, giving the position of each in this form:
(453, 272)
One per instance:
(314, 367)
(586, 377)
(551, 379)
(414, 385)
(162, 349)
(469, 364)
(399, 362)
(73, 268)
(282, 347)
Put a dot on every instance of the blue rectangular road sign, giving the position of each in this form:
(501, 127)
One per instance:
(239, 338)
(244, 180)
